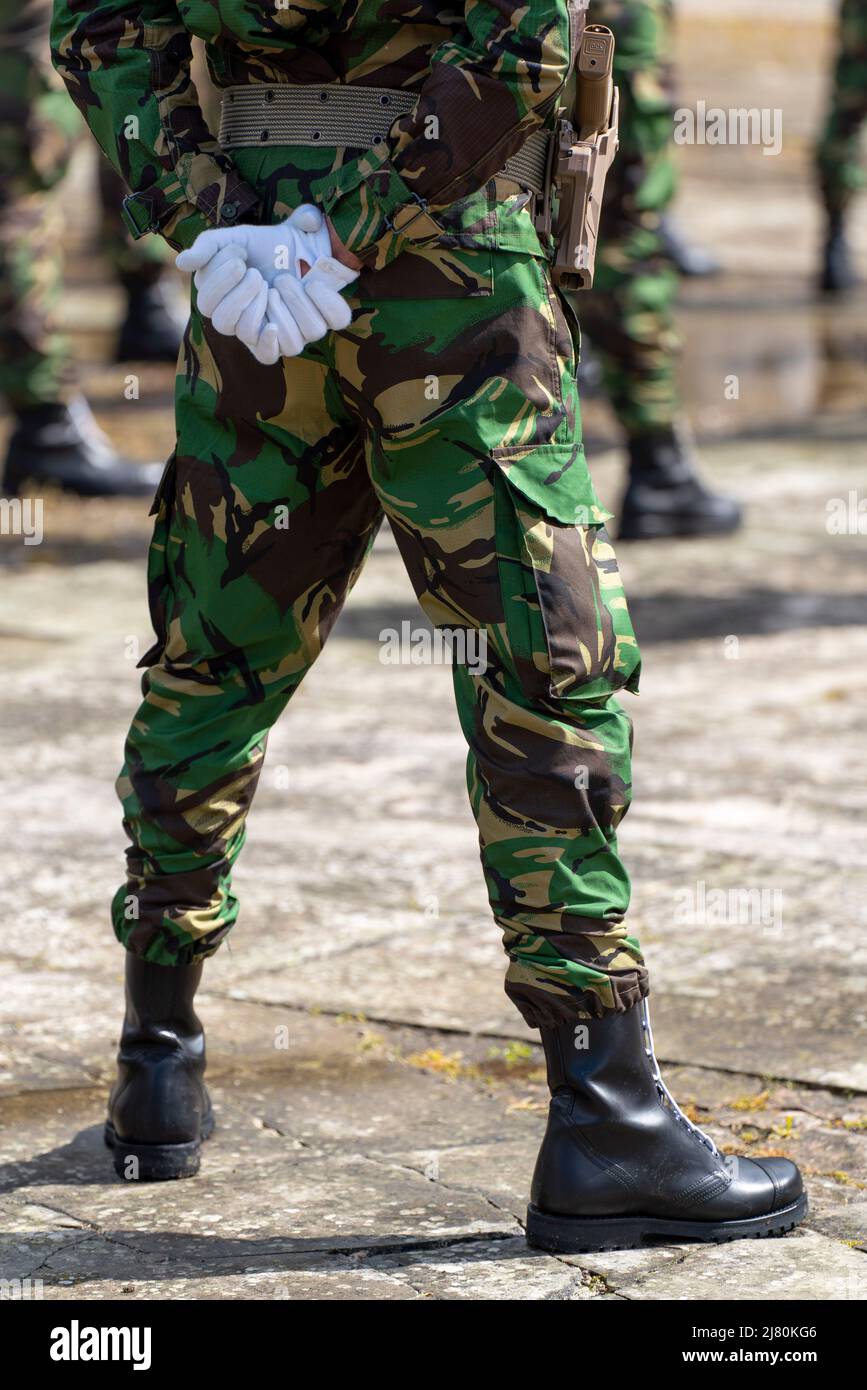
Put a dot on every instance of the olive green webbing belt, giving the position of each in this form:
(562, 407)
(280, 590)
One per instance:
(265, 113)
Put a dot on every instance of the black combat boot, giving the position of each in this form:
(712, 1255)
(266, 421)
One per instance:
(62, 446)
(620, 1164)
(664, 496)
(838, 272)
(689, 259)
(152, 330)
(159, 1110)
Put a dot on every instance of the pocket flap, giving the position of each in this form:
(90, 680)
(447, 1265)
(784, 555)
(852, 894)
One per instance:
(555, 478)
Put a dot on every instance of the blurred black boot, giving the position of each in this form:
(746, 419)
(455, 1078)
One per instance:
(159, 1110)
(152, 329)
(664, 497)
(838, 272)
(690, 260)
(62, 445)
(621, 1165)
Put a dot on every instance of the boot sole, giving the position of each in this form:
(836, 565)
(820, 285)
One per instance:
(674, 529)
(14, 489)
(157, 1162)
(572, 1235)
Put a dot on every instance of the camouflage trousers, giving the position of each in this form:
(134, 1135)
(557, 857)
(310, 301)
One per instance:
(840, 160)
(39, 129)
(629, 314)
(457, 418)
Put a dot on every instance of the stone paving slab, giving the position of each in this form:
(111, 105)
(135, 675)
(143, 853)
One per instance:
(351, 1160)
(801, 1266)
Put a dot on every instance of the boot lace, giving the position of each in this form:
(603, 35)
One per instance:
(665, 1094)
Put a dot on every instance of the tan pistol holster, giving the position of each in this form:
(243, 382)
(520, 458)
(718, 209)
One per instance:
(584, 144)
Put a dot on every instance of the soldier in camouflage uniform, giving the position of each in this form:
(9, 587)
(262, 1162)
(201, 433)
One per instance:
(840, 159)
(56, 438)
(447, 403)
(629, 314)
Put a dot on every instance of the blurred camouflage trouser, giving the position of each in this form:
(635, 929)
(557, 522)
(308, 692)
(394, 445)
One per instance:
(39, 127)
(456, 416)
(840, 160)
(628, 315)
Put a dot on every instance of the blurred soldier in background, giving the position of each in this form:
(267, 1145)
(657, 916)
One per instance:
(56, 439)
(628, 315)
(151, 330)
(840, 166)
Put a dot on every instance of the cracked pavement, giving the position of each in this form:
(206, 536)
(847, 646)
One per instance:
(364, 1161)
(379, 1104)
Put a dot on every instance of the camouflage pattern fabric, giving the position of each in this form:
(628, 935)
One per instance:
(628, 315)
(39, 127)
(487, 75)
(840, 157)
(134, 264)
(462, 426)
(450, 406)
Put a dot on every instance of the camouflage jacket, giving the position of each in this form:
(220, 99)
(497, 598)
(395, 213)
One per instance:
(486, 74)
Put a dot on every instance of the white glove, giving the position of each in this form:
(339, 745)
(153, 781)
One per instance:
(323, 284)
(302, 236)
(234, 297)
(304, 310)
(234, 270)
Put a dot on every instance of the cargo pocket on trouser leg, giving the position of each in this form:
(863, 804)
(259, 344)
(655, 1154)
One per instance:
(553, 756)
(566, 616)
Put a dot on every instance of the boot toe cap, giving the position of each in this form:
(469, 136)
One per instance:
(786, 1179)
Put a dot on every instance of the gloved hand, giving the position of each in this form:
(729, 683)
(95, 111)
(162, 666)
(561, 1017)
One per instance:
(302, 311)
(323, 284)
(302, 236)
(234, 297)
(249, 283)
